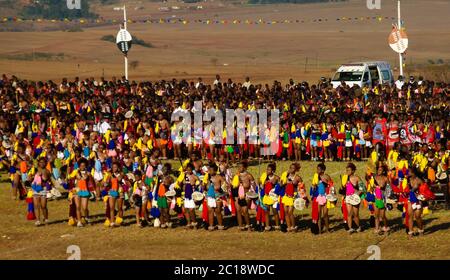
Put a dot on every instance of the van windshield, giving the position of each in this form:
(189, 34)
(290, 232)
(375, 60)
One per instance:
(386, 75)
(348, 76)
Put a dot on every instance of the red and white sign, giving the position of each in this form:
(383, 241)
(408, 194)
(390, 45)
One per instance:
(398, 40)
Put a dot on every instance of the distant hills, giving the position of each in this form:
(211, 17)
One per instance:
(48, 9)
(57, 9)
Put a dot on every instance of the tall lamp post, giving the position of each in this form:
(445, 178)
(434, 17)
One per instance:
(398, 40)
(400, 55)
(124, 40)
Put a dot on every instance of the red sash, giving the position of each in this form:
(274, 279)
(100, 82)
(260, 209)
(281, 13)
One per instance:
(82, 185)
(115, 184)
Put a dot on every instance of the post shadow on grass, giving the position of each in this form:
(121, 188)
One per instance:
(228, 221)
(55, 222)
(438, 227)
(62, 221)
(93, 219)
(127, 220)
(397, 225)
(128, 223)
(335, 224)
(302, 223)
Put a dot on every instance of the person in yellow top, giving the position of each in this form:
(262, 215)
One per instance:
(21, 163)
(297, 139)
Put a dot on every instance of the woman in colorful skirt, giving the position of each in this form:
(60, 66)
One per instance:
(290, 181)
(215, 195)
(419, 194)
(380, 182)
(40, 187)
(320, 183)
(113, 183)
(140, 196)
(162, 187)
(188, 184)
(353, 190)
(82, 181)
(242, 183)
(270, 182)
(19, 163)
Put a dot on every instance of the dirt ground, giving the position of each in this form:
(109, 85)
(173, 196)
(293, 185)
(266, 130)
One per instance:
(304, 51)
(20, 239)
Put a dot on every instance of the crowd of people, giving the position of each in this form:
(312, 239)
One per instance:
(109, 141)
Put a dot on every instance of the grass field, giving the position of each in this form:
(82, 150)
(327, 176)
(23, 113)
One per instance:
(303, 51)
(20, 239)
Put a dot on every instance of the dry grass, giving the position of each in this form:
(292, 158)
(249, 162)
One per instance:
(20, 239)
(264, 52)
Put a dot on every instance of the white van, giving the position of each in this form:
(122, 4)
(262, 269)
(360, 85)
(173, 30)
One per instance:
(362, 73)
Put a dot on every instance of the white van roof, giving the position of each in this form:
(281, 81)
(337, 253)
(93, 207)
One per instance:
(352, 68)
(382, 64)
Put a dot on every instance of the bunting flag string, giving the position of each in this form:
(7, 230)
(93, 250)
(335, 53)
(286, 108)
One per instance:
(196, 21)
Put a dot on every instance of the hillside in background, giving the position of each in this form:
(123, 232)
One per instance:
(49, 9)
(56, 9)
(314, 41)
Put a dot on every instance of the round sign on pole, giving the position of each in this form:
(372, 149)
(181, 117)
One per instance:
(398, 40)
(124, 41)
